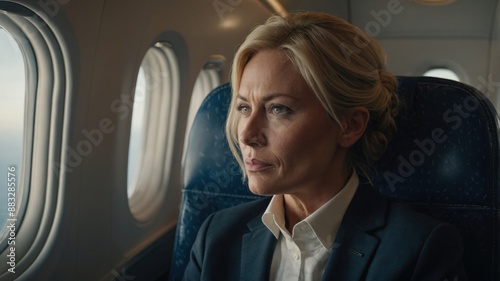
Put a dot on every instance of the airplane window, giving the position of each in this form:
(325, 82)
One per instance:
(136, 133)
(442, 73)
(12, 127)
(208, 79)
(152, 130)
(34, 155)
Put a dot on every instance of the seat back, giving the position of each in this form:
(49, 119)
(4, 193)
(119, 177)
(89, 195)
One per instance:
(444, 161)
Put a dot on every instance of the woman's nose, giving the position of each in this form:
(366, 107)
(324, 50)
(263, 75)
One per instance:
(252, 130)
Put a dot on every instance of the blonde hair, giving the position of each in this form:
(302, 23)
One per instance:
(343, 66)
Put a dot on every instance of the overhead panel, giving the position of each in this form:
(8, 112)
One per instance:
(408, 19)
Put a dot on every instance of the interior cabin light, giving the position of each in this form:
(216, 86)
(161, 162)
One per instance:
(275, 7)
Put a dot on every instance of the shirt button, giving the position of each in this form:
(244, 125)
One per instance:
(295, 256)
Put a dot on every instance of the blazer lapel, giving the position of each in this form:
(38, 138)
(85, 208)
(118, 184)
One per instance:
(257, 252)
(354, 246)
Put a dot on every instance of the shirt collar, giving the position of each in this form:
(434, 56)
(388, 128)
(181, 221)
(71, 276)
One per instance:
(274, 216)
(325, 221)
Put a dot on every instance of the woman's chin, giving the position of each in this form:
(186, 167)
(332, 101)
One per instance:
(260, 190)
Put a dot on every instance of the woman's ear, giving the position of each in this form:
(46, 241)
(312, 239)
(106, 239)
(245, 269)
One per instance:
(354, 126)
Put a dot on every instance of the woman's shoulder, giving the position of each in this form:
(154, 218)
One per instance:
(422, 244)
(405, 222)
(398, 219)
(407, 217)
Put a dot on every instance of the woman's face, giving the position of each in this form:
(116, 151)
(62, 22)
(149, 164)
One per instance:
(288, 142)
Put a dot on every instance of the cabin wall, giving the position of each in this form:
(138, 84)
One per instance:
(93, 234)
(405, 57)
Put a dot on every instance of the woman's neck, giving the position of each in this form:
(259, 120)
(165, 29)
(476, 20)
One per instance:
(297, 207)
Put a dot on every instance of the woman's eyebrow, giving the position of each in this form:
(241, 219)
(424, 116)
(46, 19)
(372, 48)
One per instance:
(270, 97)
(241, 97)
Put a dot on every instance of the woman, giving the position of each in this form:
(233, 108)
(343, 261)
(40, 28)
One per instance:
(312, 107)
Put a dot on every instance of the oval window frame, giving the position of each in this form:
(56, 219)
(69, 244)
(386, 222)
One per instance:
(30, 68)
(162, 97)
(48, 98)
(208, 79)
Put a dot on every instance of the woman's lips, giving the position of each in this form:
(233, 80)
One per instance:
(256, 165)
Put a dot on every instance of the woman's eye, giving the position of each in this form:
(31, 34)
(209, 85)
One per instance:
(244, 109)
(280, 110)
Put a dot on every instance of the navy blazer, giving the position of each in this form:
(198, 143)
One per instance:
(378, 240)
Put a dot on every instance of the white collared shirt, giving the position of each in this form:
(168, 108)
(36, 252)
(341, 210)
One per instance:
(303, 254)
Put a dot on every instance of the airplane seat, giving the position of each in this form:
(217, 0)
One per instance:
(212, 178)
(443, 161)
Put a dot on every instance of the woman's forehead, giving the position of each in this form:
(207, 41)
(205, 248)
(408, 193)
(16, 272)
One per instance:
(270, 72)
